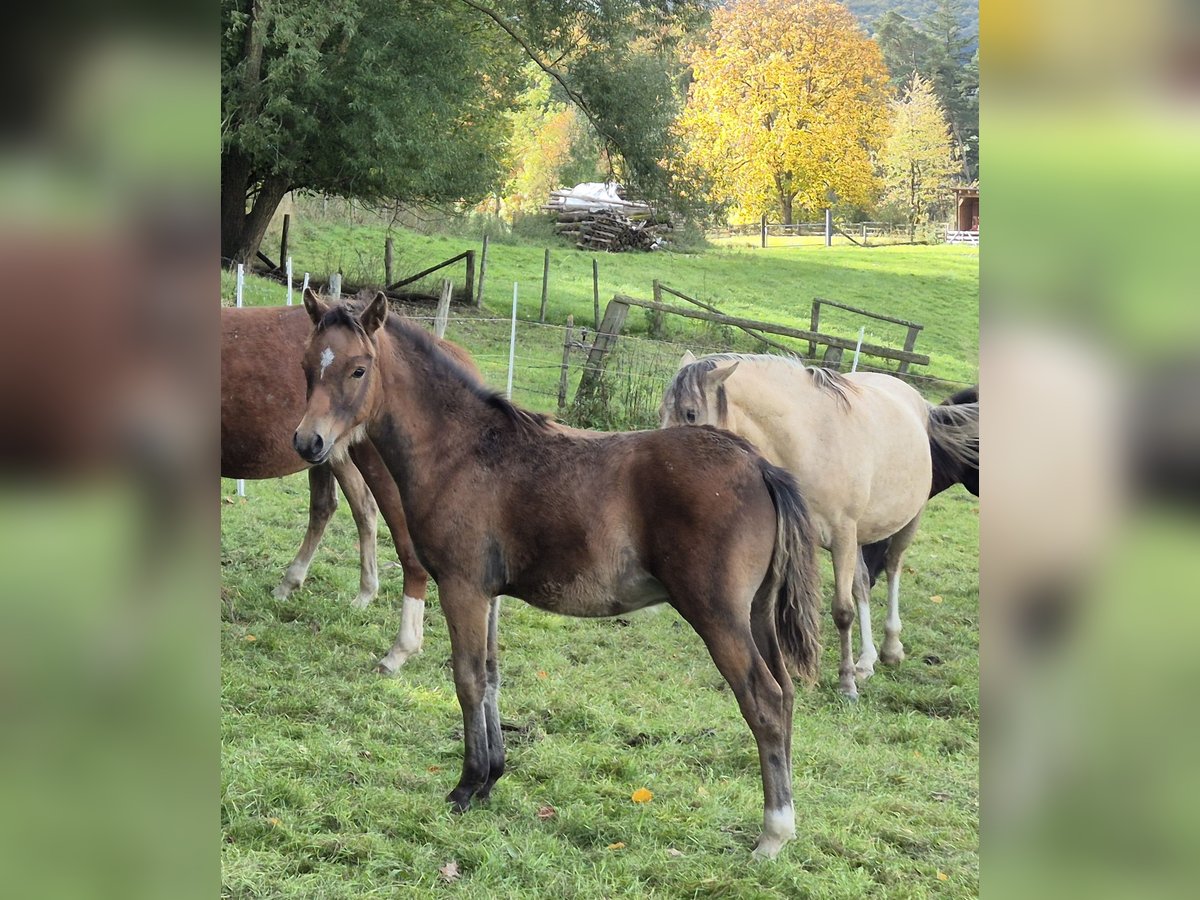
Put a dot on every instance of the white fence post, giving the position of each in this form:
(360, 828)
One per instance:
(289, 278)
(305, 287)
(512, 343)
(858, 347)
(241, 281)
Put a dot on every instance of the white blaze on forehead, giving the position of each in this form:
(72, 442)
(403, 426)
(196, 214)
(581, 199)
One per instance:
(326, 359)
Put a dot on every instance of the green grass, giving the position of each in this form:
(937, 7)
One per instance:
(936, 286)
(334, 777)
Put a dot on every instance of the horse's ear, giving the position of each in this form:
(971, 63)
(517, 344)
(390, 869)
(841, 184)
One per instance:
(375, 313)
(315, 306)
(687, 359)
(718, 376)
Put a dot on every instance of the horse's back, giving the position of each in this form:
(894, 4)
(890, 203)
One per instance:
(857, 444)
(262, 389)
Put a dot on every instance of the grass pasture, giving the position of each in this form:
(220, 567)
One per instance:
(333, 778)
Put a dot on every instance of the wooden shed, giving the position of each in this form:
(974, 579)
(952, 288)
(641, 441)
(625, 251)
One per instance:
(966, 216)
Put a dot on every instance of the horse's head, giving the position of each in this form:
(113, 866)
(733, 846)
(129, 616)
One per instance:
(695, 395)
(340, 369)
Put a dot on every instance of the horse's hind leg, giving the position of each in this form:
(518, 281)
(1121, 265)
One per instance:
(366, 515)
(865, 667)
(892, 651)
(844, 550)
(322, 501)
(411, 635)
(765, 694)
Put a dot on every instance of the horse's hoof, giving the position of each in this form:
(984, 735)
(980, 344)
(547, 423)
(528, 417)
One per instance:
(362, 601)
(767, 848)
(458, 802)
(282, 592)
(863, 673)
(892, 657)
(382, 668)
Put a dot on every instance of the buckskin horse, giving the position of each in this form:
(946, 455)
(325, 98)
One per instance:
(499, 501)
(860, 447)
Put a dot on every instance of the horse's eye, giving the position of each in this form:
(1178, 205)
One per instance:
(691, 417)
(359, 372)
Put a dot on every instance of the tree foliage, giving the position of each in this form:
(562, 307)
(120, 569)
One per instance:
(411, 99)
(943, 49)
(787, 108)
(918, 161)
(369, 99)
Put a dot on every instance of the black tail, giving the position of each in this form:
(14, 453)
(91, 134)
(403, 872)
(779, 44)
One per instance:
(954, 446)
(795, 582)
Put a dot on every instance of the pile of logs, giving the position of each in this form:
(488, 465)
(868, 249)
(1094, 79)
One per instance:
(610, 230)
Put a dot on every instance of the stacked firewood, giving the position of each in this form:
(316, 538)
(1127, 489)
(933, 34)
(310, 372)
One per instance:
(611, 230)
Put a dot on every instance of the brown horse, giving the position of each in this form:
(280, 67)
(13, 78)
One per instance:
(501, 502)
(262, 398)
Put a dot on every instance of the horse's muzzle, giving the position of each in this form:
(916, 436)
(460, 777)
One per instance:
(311, 447)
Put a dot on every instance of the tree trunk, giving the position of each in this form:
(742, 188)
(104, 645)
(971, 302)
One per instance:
(785, 207)
(241, 232)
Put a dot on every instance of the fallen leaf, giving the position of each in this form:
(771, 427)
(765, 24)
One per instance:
(642, 795)
(673, 853)
(272, 821)
(942, 876)
(936, 598)
(542, 675)
(228, 500)
(434, 769)
(449, 871)
(939, 796)
(251, 637)
(619, 845)
(545, 812)
(909, 570)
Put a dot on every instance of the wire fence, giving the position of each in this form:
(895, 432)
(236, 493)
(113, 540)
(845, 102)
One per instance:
(550, 363)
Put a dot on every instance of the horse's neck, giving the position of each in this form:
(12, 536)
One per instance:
(419, 426)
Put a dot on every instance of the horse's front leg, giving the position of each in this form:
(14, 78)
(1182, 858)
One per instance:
(411, 636)
(366, 517)
(470, 617)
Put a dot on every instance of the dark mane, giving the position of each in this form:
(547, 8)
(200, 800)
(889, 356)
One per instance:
(441, 364)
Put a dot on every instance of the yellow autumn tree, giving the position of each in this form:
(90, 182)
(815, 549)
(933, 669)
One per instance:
(918, 160)
(788, 107)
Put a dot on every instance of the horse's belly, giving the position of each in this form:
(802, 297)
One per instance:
(589, 596)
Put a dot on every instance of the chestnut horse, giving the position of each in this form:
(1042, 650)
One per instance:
(262, 398)
(860, 447)
(499, 501)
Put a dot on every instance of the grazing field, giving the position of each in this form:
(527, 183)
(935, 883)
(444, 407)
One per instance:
(333, 777)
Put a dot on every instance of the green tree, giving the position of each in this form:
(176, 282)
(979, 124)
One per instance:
(351, 99)
(954, 73)
(918, 160)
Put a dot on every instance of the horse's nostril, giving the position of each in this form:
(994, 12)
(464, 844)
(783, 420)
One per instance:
(317, 443)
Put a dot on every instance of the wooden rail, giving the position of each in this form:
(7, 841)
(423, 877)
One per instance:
(815, 337)
(910, 340)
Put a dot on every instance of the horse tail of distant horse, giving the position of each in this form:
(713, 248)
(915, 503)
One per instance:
(794, 583)
(954, 443)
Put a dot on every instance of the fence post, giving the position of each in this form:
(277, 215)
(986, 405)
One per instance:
(814, 322)
(335, 286)
(596, 291)
(864, 234)
(478, 300)
(545, 285)
(443, 309)
(910, 341)
(389, 247)
(289, 280)
(602, 344)
(828, 227)
(656, 316)
(470, 274)
(858, 349)
(566, 363)
(283, 240)
(763, 228)
(241, 280)
(512, 343)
